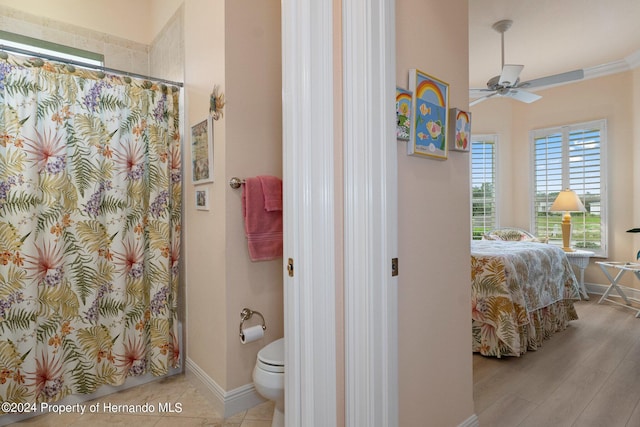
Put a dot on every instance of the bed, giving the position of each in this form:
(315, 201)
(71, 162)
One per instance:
(522, 293)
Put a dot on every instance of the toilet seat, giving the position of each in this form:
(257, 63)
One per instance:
(271, 357)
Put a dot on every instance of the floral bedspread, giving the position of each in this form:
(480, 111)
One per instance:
(522, 293)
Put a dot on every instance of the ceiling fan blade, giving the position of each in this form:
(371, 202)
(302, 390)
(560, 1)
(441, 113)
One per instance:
(522, 96)
(479, 100)
(477, 93)
(510, 74)
(554, 79)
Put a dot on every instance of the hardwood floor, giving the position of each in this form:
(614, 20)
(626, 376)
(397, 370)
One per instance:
(587, 375)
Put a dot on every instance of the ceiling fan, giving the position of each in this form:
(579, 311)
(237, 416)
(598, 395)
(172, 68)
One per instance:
(508, 83)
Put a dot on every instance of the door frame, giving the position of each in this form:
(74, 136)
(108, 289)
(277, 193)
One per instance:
(371, 214)
(308, 209)
(369, 218)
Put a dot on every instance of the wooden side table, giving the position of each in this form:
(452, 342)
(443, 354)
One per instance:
(580, 259)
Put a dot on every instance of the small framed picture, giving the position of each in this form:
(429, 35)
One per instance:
(403, 114)
(202, 151)
(202, 199)
(459, 129)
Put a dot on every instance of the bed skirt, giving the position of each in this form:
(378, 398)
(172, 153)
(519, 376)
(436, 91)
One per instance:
(541, 325)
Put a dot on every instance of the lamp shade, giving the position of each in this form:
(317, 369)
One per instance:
(567, 201)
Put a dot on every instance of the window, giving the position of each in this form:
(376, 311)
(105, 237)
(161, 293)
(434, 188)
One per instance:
(571, 157)
(483, 185)
(47, 48)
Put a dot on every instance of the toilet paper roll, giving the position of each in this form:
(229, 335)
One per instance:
(251, 334)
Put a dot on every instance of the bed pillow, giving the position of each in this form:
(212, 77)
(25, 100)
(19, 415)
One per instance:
(512, 235)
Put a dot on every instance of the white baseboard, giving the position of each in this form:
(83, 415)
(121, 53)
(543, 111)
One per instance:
(598, 289)
(227, 403)
(472, 421)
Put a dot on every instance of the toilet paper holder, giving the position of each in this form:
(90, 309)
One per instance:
(247, 314)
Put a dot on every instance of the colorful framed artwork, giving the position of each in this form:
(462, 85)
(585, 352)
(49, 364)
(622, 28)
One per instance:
(403, 114)
(202, 199)
(202, 151)
(459, 129)
(430, 112)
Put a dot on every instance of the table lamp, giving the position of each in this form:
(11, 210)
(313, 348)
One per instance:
(567, 201)
(635, 230)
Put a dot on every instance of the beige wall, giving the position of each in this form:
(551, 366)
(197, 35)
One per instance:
(119, 52)
(139, 20)
(435, 377)
(635, 91)
(235, 44)
(166, 53)
(158, 13)
(253, 147)
(610, 97)
(205, 238)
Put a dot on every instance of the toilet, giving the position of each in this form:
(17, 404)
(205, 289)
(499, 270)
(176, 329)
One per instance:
(268, 377)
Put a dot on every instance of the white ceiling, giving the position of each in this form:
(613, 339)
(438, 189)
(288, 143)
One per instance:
(551, 36)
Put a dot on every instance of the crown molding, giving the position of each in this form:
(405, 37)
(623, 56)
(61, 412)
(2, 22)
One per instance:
(628, 63)
(606, 69)
(633, 60)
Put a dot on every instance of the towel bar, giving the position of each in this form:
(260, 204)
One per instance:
(235, 182)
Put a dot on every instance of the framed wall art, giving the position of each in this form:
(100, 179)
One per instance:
(202, 151)
(403, 114)
(430, 112)
(459, 129)
(202, 199)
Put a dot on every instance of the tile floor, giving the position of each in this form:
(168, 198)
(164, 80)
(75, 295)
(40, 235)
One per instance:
(196, 409)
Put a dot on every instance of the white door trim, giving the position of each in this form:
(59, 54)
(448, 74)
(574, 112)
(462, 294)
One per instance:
(370, 218)
(309, 217)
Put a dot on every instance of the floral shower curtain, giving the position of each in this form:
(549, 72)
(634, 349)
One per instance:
(90, 216)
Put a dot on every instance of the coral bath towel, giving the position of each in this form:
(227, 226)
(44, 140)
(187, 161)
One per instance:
(262, 212)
